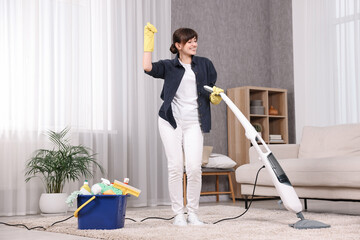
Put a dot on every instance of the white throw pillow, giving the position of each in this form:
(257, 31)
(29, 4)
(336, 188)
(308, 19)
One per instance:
(220, 161)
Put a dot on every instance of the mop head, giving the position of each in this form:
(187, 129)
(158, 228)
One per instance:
(308, 224)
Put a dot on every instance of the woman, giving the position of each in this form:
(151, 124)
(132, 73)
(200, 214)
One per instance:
(184, 115)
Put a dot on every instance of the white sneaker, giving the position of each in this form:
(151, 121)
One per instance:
(194, 220)
(180, 220)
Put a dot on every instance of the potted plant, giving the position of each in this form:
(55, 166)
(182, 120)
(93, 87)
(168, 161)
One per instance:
(57, 166)
(257, 127)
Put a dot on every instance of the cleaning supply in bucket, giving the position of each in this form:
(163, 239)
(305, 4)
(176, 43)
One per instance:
(97, 188)
(100, 188)
(85, 189)
(111, 190)
(105, 181)
(127, 189)
(71, 198)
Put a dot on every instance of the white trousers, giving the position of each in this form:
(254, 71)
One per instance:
(186, 139)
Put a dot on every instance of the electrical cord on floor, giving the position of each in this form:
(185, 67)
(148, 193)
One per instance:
(61, 220)
(41, 227)
(160, 218)
(148, 218)
(21, 225)
(131, 219)
(251, 200)
(224, 219)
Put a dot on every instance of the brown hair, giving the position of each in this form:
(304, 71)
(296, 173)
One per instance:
(182, 35)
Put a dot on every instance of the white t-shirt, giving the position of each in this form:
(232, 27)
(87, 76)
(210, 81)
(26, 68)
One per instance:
(184, 104)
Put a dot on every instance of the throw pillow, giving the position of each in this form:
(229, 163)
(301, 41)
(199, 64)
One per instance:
(220, 161)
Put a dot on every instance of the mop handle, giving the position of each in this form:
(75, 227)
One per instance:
(250, 131)
(83, 205)
(280, 180)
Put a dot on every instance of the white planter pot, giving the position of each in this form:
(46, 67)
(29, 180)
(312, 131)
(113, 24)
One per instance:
(53, 203)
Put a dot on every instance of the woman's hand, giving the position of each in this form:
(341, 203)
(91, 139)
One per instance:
(215, 97)
(149, 32)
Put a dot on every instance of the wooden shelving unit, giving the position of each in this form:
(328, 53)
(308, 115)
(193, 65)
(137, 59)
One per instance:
(238, 144)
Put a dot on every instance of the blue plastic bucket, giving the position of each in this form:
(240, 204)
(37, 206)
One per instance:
(104, 212)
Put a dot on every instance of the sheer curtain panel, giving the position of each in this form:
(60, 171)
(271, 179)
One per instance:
(326, 62)
(78, 63)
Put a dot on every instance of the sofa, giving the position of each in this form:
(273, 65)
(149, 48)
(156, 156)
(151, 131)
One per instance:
(324, 165)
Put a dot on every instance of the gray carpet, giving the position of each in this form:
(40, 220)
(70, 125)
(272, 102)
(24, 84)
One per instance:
(255, 224)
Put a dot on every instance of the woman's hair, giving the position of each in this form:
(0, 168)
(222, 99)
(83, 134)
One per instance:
(182, 35)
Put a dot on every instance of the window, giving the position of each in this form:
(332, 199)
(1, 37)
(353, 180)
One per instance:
(55, 65)
(347, 29)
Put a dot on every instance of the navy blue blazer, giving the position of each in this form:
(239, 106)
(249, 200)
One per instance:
(172, 72)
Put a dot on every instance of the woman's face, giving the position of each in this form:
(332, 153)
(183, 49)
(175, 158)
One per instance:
(189, 48)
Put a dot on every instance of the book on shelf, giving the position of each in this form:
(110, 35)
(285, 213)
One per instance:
(275, 136)
(276, 141)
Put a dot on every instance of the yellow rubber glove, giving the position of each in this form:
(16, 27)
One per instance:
(149, 31)
(215, 98)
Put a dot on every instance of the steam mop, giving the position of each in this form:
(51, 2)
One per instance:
(281, 182)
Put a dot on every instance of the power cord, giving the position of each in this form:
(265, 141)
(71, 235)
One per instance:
(166, 219)
(131, 219)
(41, 227)
(148, 218)
(61, 220)
(22, 225)
(224, 219)
(251, 200)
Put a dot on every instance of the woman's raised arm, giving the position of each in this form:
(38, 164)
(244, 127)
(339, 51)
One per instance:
(149, 32)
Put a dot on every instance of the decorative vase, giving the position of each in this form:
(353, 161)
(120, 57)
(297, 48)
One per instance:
(273, 111)
(53, 203)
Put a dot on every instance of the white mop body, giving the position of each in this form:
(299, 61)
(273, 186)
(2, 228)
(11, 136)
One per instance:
(281, 182)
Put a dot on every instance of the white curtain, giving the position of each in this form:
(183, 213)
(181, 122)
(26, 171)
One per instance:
(78, 63)
(326, 62)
